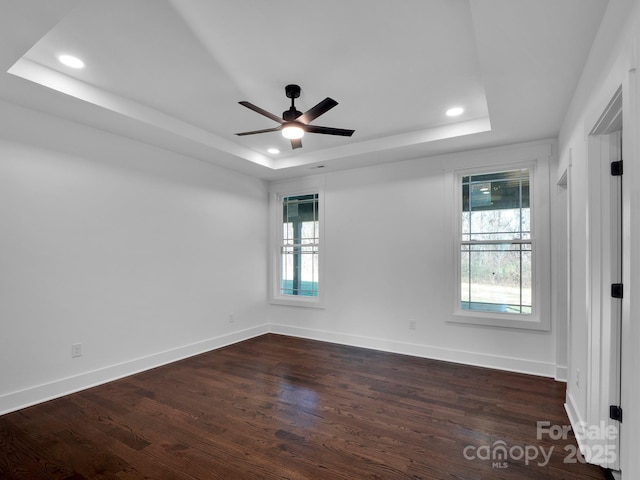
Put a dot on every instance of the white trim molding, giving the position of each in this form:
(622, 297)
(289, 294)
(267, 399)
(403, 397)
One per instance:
(497, 362)
(278, 191)
(64, 386)
(535, 157)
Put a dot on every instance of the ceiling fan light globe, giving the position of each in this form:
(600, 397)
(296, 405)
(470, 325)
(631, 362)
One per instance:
(292, 132)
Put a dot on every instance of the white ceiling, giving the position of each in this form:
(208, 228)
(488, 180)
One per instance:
(170, 73)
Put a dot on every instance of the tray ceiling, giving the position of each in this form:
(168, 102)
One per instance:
(171, 73)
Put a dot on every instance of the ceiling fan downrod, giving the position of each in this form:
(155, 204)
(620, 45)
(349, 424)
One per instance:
(292, 92)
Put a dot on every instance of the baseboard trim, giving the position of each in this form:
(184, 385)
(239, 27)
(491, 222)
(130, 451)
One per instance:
(13, 401)
(577, 423)
(436, 353)
(562, 373)
(41, 393)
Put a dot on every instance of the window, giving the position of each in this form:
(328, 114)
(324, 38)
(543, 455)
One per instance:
(496, 244)
(498, 237)
(299, 246)
(296, 274)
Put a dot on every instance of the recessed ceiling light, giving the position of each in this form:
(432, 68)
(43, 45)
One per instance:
(455, 111)
(273, 151)
(71, 61)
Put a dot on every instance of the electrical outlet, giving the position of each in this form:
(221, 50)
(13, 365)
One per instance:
(76, 350)
(231, 318)
(412, 324)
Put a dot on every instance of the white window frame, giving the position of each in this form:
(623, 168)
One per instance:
(538, 166)
(277, 195)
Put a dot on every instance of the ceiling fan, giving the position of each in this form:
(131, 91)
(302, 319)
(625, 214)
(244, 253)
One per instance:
(293, 123)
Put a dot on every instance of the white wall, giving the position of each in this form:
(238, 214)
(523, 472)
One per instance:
(137, 253)
(612, 64)
(386, 234)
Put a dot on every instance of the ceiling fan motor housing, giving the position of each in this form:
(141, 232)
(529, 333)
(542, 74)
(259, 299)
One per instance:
(292, 91)
(291, 114)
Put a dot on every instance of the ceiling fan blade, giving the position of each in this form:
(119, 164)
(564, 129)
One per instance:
(274, 129)
(296, 143)
(261, 111)
(314, 112)
(328, 130)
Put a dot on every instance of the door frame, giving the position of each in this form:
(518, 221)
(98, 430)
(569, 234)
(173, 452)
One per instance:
(604, 267)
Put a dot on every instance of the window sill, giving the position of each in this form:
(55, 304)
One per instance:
(526, 322)
(307, 302)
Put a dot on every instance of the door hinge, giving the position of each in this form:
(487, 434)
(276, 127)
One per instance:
(616, 168)
(616, 290)
(615, 413)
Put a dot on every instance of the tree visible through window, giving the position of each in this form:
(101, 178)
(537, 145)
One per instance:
(496, 243)
(299, 248)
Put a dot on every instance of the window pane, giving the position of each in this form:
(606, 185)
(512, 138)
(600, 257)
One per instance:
(496, 273)
(465, 272)
(466, 226)
(496, 278)
(506, 224)
(287, 233)
(299, 250)
(496, 191)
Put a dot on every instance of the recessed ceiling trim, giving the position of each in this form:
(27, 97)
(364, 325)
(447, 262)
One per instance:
(179, 91)
(55, 80)
(470, 127)
(60, 82)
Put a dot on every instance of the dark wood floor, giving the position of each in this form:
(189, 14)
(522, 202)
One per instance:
(276, 407)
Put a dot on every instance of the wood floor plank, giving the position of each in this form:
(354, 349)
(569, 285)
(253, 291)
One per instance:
(277, 407)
